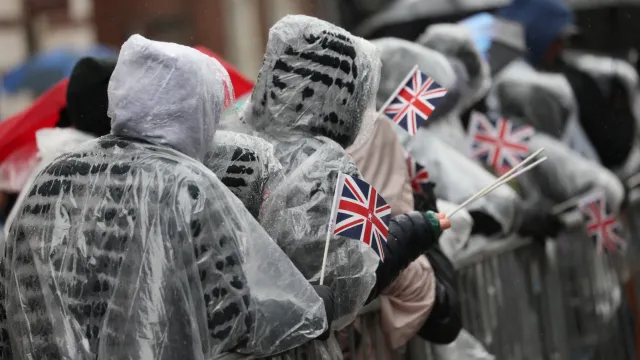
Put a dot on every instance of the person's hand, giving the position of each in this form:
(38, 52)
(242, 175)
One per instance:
(445, 223)
(439, 222)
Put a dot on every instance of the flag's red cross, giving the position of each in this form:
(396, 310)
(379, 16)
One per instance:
(602, 226)
(502, 146)
(413, 102)
(367, 213)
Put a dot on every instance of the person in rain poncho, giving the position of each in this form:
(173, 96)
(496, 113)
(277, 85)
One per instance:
(407, 305)
(606, 91)
(84, 118)
(546, 101)
(129, 248)
(316, 86)
(438, 146)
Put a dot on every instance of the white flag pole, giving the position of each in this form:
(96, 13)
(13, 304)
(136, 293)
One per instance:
(332, 220)
(397, 91)
(482, 192)
(495, 185)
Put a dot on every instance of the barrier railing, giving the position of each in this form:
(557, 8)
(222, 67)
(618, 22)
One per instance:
(557, 300)
(524, 300)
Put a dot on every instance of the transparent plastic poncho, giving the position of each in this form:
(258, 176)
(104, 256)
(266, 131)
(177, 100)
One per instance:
(456, 41)
(440, 145)
(245, 164)
(544, 100)
(314, 93)
(566, 175)
(603, 69)
(128, 247)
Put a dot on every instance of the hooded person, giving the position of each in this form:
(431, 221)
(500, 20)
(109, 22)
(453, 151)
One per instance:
(315, 89)
(546, 101)
(547, 25)
(129, 248)
(607, 98)
(456, 176)
(408, 303)
(84, 118)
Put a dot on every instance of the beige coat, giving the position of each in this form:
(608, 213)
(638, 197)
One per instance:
(407, 303)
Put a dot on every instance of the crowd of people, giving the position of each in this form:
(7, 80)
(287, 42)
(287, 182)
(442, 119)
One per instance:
(163, 222)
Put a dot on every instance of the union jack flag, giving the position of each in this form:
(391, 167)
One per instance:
(360, 213)
(417, 173)
(602, 225)
(499, 143)
(414, 101)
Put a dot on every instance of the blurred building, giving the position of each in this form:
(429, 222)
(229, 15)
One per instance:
(236, 29)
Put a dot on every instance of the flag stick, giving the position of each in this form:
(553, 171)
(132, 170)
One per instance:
(483, 192)
(332, 219)
(397, 91)
(495, 185)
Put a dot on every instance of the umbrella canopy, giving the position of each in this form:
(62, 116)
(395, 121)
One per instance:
(42, 71)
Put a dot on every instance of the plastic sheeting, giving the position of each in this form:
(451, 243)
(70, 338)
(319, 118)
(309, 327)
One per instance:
(544, 100)
(602, 69)
(456, 238)
(50, 144)
(440, 146)
(315, 92)
(125, 249)
(456, 41)
(566, 175)
(244, 163)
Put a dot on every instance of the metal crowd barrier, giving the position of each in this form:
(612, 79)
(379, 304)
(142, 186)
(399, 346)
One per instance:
(524, 300)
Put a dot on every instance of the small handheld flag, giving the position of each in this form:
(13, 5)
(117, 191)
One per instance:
(413, 101)
(417, 173)
(359, 213)
(602, 225)
(498, 143)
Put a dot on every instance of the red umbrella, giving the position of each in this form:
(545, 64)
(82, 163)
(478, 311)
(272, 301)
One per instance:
(20, 129)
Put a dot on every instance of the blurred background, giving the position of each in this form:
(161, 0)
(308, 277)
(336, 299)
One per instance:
(41, 39)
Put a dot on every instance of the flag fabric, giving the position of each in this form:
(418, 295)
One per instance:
(498, 142)
(360, 213)
(417, 173)
(414, 101)
(602, 225)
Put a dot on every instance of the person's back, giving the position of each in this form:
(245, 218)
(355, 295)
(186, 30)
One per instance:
(97, 233)
(129, 248)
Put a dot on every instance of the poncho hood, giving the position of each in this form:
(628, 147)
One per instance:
(167, 94)
(456, 41)
(317, 79)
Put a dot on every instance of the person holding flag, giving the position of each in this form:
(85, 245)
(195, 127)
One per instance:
(310, 112)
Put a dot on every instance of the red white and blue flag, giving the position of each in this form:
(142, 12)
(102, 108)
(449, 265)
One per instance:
(498, 142)
(360, 213)
(417, 173)
(414, 101)
(602, 225)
